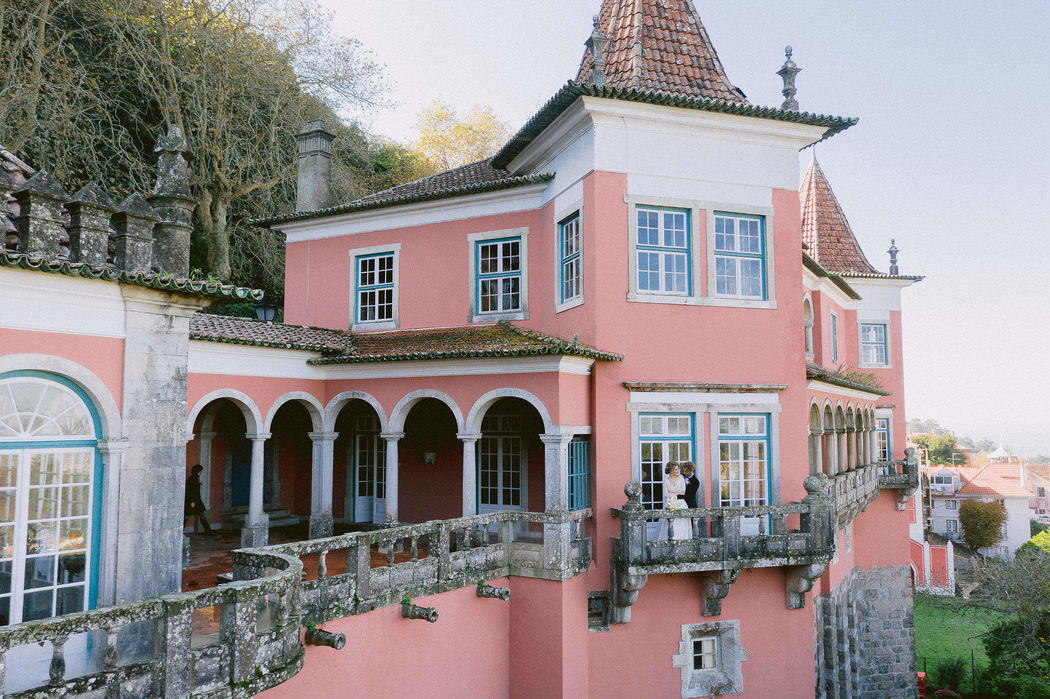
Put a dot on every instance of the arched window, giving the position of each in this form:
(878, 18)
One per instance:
(807, 314)
(48, 497)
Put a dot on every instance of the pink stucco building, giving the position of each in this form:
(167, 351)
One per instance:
(479, 383)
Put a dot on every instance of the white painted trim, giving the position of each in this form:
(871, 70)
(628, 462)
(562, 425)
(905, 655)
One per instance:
(473, 316)
(766, 213)
(834, 389)
(308, 401)
(825, 286)
(252, 417)
(482, 404)
(524, 198)
(395, 249)
(560, 214)
(399, 414)
(59, 304)
(873, 318)
(225, 359)
(642, 399)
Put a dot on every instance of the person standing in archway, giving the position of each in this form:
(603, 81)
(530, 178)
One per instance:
(194, 503)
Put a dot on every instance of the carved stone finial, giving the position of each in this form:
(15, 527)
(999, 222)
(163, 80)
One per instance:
(597, 43)
(633, 491)
(788, 72)
(894, 270)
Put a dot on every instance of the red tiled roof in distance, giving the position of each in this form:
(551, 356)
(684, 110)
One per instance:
(825, 228)
(988, 482)
(660, 45)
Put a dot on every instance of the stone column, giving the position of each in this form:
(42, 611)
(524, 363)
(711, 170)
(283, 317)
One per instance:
(321, 484)
(843, 456)
(256, 527)
(556, 537)
(470, 472)
(112, 452)
(204, 459)
(851, 447)
(815, 439)
(391, 474)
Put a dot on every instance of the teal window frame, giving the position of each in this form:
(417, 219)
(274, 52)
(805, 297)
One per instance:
(650, 500)
(579, 474)
(767, 438)
(882, 438)
(662, 250)
(738, 256)
(480, 278)
(570, 257)
(834, 326)
(877, 345)
(95, 543)
(377, 287)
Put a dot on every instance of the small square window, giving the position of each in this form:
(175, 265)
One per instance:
(374, 297)
(709, 657)
(705, 653)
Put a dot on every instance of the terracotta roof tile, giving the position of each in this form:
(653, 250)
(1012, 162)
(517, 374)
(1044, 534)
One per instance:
(660, 45)
(825, 228)
(989, 482)
(343, 347)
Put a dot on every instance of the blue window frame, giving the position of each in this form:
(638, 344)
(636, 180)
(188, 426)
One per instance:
(662, 249)
(498, 275)
(882, 437)
(374, 288)
(834, 337)
(662, 438)
(570, 258)
(579, 475)
(50, 497)
(874, 349)
(745, 471)
(740, 256)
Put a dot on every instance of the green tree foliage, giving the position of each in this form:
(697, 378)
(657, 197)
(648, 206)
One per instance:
(981, 523)
(939, 448)
(86, 85)
(448, 140)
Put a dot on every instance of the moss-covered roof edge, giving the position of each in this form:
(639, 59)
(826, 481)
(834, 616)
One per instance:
(572, 90)
(819, 373)
(836, 279)
(160, 282)
(448, 193)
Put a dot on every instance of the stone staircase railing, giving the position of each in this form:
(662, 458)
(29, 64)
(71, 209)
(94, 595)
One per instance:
(436, 556)
(798, 536)
(901, 475)
(151, 648)
(243, 637)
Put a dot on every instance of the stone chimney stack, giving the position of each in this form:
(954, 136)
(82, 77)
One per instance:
(40, 222)
(134, 235)
(315, 166)
(173, 202)
(89, 230)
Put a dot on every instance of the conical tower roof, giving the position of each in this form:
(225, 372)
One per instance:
(660, 45)
(825, 228)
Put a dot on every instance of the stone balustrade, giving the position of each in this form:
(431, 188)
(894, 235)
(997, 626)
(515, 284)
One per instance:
(901, 475)
(243, 637)
(853, 491)
(798, 536)
(233, 641)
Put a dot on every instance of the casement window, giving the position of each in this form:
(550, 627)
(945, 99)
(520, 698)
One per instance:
(951, 505)
(1042, 492)
(662, 250)
(662, 438)
(874, 349)
(570, 259)
(807, 319)
(374, 302)
(834, 338)
(882, 438)
(498, 275)
(501, 471)
(953, 525)
(710, 659)
(740, 266)
(743, 460)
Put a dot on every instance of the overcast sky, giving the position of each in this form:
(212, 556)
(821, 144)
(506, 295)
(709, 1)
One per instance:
(951, 156)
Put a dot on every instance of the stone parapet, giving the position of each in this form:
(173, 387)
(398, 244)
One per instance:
(853, 491)
(901, 475)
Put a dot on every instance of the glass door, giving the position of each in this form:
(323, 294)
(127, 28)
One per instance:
(743, 453)
(501, 459)
(370, 474)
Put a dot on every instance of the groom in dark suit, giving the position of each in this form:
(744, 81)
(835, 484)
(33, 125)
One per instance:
(692, 485)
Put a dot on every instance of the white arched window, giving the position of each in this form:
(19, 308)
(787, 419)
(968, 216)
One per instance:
(807, 314)
(48, 437)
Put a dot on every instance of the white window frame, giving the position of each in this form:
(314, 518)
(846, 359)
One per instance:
(662, 250)
(394, 322)
(769, 282)
(951, 526)
(739, 256)
(888, 417)
(833, 333)
(951, 505)
(474, 316)
(807, 324)
(863, 363)
(563, 217)
(728, 673)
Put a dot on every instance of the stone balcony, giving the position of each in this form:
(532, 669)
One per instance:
(852, 492)
(243, 637)
(901, 475)
(798, 536)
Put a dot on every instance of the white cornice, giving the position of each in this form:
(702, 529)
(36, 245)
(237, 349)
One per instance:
(524, 198)
(828, 288)
(817, 385)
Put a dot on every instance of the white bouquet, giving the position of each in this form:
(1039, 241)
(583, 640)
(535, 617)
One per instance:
(673, 503)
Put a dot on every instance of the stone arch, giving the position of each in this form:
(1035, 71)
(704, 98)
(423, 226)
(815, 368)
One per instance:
(400, 412)
(815, 422)
(331, 411)
(481, 406)
(840, 417)
(253, 420)
(308, 401)
(96, 389)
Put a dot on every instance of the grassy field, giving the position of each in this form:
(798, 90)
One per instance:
(945, 629)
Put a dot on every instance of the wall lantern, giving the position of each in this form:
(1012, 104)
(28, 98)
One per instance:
(266, 309)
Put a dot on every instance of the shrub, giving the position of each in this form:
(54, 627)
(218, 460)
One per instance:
(1037, 527)
(981, 523)
(949, 674)
(1019, 657)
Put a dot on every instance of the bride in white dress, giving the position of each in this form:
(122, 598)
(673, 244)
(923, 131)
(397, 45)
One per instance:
(674, 488)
